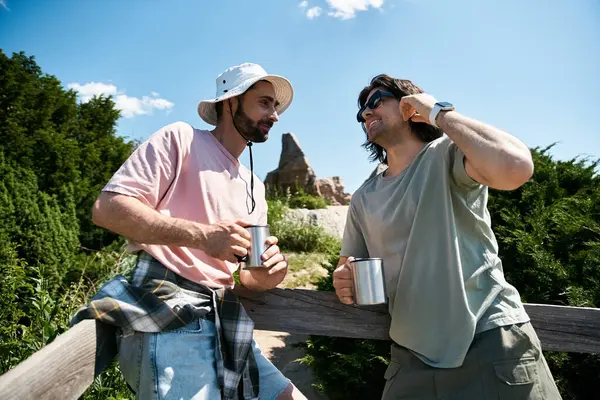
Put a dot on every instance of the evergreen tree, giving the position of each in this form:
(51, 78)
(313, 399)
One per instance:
(71, 148)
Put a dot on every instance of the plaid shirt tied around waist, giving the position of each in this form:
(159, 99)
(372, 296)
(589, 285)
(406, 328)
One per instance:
(159, 300)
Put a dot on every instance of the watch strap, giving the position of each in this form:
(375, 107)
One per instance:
(434, 113)
(439, 106)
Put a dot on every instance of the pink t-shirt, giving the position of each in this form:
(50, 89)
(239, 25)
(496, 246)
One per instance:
(186, 173)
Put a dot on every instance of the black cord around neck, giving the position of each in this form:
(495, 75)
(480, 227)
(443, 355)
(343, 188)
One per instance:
(249, 144)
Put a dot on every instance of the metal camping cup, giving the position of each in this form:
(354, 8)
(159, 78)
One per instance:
(369, 281)
(258, 234)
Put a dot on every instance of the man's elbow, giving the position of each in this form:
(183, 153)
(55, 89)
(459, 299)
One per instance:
(97, 213)
(519, 174)
(524, 169)
(101, 210)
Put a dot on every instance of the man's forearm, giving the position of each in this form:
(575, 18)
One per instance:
(132, 219)
(500, 159)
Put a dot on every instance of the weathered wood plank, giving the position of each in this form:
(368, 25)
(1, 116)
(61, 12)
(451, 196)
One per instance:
(66, 367)
(571, 329)
(313, 312)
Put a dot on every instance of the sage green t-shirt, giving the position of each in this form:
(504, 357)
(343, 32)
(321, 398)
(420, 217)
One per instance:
(431, 227)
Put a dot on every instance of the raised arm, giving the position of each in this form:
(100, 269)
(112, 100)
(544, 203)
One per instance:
(492, 157)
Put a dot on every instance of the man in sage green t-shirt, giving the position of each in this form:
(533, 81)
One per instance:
(459, 330)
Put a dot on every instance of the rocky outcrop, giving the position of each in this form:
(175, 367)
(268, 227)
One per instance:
(333, 190)
(332, 219)
(294, 173)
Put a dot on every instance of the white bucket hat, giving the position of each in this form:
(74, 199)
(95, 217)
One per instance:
(236, 80)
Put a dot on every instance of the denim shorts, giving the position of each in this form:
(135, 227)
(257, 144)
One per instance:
(180, 364)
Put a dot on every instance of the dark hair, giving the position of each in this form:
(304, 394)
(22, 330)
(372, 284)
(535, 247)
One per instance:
(399, 88)
(219, 109)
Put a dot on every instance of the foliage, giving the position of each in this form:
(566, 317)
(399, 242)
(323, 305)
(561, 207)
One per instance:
(304, 269)
(300, 237)
(71, 148)
(31, 316)
(308, 201)
(55, 155)
(42, 230)
(296, 236)
(548, 233)
(293, 235)
(356, 366)
(298, 199)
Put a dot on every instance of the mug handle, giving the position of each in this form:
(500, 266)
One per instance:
(242, 258)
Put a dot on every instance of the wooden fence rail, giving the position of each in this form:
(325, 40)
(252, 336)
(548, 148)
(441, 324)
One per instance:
(65, 368)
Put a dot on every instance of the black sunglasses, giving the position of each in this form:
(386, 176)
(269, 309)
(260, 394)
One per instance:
(373, 103)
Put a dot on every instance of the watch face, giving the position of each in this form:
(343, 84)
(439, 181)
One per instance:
(445, 104)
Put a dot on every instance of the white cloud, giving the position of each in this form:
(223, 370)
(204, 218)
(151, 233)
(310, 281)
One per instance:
(91, 89)
(313, 12)
(346, 9)
(3, 4)
(129, 106)
(303, 4)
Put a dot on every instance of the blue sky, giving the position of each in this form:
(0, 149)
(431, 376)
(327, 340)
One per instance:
(530, 67)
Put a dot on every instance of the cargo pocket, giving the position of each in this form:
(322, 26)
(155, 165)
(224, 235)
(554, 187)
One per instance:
(392, 370)
(516, 379)
(389, 375)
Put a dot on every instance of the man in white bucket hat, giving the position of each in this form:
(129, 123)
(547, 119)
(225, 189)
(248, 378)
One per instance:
(236, 81)
(183, 200)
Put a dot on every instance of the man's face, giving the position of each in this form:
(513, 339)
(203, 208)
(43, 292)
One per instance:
(255, 113)
(382, 116)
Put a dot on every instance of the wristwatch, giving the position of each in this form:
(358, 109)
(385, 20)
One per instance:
(439, 106)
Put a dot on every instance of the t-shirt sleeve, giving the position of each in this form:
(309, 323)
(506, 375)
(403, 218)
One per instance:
(456, 160)
(148, 173)
(353, 243)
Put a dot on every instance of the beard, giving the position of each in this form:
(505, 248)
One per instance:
(378, 133)
(249, 128)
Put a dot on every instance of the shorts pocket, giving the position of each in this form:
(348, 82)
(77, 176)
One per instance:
(390, 373)
(392, 370)
(516, 379)
(516, 372)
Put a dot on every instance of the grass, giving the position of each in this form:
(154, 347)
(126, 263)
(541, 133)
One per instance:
(305, 269)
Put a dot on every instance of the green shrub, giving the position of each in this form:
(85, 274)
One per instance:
(351, 369)
(297, 236)
(276, 210)
(297, 199)
(31, 317)
(55, 155)
(308, 201)
(72, 149)
(43, 230)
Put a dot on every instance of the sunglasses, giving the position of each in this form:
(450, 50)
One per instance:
(372, 104)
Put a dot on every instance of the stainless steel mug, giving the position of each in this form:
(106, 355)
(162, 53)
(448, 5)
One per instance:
(369, 281)
(258, 234)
